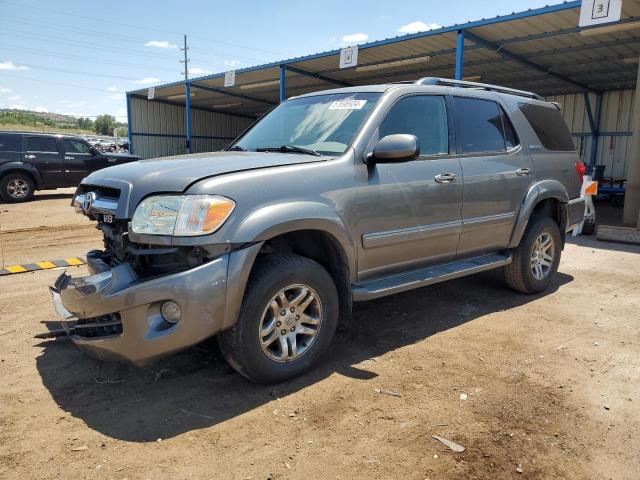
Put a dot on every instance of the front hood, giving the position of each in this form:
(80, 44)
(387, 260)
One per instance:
(139, 179)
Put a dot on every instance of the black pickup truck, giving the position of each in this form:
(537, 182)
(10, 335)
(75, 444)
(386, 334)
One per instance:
(38, 161)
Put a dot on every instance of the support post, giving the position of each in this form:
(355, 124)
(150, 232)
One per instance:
(460, 55)
(283, 83)
(631, 214)
(594, 123)
(187, 107)
(129, 127)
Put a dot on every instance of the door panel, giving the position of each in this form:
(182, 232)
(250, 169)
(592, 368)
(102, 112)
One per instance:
(44, 154)
(497, 174)
(493, 194)
(78, 160)
(406, 217)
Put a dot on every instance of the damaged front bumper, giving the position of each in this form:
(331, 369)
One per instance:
(114, 314)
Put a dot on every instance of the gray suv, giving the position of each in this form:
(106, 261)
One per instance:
(333, 197)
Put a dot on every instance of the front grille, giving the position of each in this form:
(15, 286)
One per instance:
(103, 192)
(109, 325)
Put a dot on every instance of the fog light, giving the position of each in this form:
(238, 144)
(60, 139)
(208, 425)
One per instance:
(170, 311)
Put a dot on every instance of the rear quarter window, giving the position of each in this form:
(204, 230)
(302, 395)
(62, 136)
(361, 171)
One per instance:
(549, 126)
(10, 143)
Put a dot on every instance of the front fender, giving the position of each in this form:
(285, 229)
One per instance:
(272, 220)
(22, 166)
(538, 192)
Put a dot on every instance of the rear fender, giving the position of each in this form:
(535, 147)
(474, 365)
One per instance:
(538, 192)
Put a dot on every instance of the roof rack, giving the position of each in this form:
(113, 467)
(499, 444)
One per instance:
(447, 82)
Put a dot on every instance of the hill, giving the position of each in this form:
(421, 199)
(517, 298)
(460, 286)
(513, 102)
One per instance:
(49, 122)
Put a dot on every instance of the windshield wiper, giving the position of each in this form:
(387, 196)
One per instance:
(289, 148)
(237, 148)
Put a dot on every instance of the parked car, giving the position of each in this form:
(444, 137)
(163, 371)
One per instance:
(37, 161)
(333, 197)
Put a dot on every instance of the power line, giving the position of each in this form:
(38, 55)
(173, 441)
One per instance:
(53, 82)
(139, 27)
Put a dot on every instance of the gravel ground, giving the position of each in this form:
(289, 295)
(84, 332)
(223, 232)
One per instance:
(551, 382)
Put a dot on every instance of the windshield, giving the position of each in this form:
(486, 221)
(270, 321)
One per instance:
(325, 124)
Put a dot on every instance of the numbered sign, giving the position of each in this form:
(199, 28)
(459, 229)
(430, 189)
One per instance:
(349, 57)
(151, 93)
(230, 78)
(597, 12)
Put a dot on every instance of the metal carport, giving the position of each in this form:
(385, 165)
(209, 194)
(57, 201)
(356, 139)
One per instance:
(591, 71)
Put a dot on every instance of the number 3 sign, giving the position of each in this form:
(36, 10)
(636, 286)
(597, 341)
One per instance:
(597, 12)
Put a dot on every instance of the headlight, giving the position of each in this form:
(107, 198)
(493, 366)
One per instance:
(181, 215)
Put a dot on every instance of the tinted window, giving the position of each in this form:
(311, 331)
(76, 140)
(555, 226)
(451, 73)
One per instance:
(424, 116)
(549, 126)
(479, 125)
(510, 137)
(41, 144)
(76, 146)
(10, 143)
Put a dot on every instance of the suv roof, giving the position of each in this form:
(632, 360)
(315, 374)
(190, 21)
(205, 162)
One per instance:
(47, 134)
(434, 82)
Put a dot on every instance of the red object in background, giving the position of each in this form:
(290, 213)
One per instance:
(581, 169)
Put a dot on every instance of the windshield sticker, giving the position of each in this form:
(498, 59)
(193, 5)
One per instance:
(347, 105)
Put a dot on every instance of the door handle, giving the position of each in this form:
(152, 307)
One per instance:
(69, 158)
(29, 156)
(524, 171)
(445, 178)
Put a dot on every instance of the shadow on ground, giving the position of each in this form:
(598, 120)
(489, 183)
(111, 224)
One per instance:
(195, 389)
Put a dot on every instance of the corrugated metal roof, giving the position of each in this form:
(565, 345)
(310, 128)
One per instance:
(553, 57)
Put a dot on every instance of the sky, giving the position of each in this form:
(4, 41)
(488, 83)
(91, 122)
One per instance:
(80, 57)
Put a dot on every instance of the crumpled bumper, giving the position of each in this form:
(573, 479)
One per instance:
(119, 314)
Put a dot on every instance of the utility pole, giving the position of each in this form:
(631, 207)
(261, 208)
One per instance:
(186, 59)
(187, 95)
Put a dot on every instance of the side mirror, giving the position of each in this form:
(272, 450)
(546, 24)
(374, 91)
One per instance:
(93, 151)
(400, 147)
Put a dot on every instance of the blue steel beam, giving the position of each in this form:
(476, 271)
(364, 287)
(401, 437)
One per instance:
(187, 107)
(283, 83)
(231, 94)
(460, 55)
(513, 56)
(596, 131)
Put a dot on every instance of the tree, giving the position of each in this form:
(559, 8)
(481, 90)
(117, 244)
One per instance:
(104, 124)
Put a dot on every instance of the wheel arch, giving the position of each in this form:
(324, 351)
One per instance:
(548, 196)
(24, 168)
(308, 229)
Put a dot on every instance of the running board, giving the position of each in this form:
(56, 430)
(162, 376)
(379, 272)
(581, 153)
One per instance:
(404, 281)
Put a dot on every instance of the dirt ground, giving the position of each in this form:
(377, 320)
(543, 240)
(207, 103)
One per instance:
(552, 383)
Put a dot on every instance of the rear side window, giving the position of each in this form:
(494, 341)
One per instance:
(42, 144)
(424, 116)
(549, 126)
(10, 143)
(76, 146)
(482, 126)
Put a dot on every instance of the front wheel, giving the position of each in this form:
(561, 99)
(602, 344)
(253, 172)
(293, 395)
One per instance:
(288, 318)
(535, 261)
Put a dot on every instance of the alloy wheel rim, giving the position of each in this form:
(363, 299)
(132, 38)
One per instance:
(542, 256)
(290, 323)
(18, 188)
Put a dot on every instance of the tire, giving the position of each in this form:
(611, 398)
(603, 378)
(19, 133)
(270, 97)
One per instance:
(17, 187)
(588, 228)
(520, 274)
(244, 345)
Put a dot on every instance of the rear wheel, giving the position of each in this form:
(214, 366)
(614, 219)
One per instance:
(535, 261)
(288, 317)
(16, 187)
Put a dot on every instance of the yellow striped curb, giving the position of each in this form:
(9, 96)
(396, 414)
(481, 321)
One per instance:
(43, 265)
